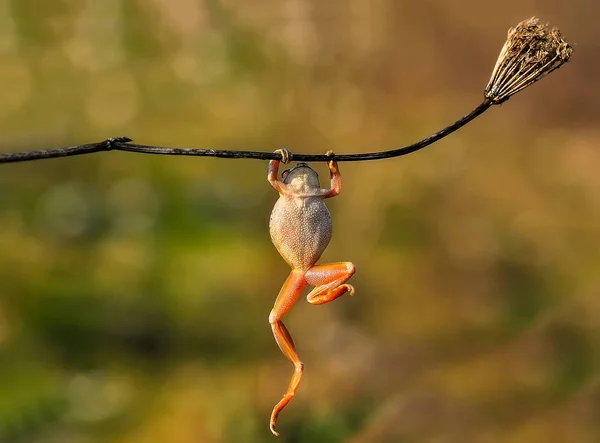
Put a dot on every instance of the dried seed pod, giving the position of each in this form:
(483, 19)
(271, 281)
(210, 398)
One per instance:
(532, 51)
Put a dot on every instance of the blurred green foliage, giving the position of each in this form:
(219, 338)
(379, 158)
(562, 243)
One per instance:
(136, 289)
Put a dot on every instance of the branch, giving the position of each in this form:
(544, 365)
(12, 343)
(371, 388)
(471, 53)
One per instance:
(532, 51)
(123, 144)
(90, 148)
(312, 157)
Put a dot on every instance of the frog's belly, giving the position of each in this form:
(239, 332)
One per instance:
(300, 230)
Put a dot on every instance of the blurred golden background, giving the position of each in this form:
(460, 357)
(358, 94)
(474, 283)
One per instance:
(136, 289)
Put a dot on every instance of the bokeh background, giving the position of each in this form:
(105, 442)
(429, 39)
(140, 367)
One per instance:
(135, 289)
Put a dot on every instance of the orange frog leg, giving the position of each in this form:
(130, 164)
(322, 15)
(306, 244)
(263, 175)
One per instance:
(290, 291)
(329, 281)
(330, 284)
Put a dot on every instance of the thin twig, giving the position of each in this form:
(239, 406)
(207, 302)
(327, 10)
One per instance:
(123, 144)
(531, 52)
(106, 145)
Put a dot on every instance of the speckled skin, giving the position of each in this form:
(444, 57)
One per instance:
(300, 224)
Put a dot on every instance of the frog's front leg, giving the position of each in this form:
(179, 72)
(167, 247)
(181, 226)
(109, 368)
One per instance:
(289, 293)
(329, 281)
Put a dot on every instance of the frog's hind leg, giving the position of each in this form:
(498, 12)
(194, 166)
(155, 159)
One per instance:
(329, 281)
(288, 295)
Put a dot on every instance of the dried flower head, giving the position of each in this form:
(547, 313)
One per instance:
(532, 51)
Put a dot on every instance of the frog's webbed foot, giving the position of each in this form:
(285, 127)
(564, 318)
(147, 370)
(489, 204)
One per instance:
(329, 281)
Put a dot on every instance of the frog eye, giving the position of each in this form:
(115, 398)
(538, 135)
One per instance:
(284, 174)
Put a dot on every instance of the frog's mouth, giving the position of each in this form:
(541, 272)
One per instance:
(298, 166)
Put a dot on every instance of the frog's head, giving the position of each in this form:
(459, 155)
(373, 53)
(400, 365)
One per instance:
(301, 175)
